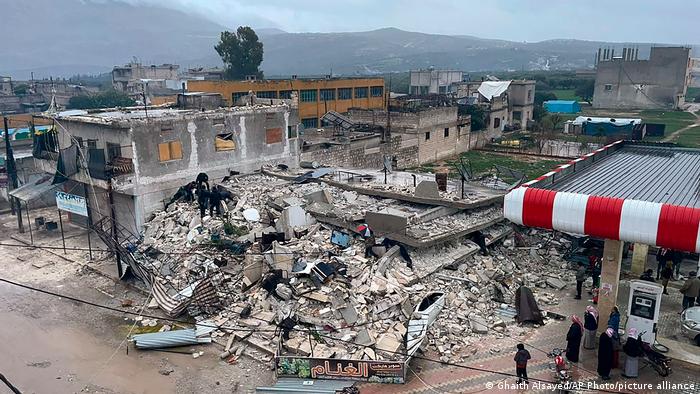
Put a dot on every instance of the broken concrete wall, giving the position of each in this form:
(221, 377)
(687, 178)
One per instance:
(368, 154)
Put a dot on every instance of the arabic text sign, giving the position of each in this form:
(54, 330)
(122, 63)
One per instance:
(328, 368)
(71, 203)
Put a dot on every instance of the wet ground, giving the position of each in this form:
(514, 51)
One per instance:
(55, 345)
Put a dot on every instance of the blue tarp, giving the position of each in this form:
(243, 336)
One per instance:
(562, 106)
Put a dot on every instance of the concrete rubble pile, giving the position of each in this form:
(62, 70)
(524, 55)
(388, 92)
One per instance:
(278, 268)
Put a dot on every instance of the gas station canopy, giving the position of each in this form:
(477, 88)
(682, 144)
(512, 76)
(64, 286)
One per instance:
(630, 191)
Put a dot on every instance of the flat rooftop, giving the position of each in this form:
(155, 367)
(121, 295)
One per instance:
(637, 171)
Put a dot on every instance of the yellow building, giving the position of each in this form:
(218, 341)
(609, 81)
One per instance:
(316, 96)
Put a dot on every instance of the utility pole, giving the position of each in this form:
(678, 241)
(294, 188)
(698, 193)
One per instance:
(12, 173)
(114, 226)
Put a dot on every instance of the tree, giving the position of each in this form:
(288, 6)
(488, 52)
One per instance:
(241, 52)
(541, 97)
(108, 99)
(477, 113)
(21, 89)
(585, 90)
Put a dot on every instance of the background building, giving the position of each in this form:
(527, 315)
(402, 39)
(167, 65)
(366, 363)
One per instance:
(433, 81)
(127, 78)
(626, 82)
(316, 96)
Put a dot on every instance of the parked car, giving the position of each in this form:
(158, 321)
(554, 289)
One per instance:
(690, 319)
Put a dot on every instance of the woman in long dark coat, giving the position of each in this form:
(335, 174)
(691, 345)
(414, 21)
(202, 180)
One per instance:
(573, 339)
(605, 354)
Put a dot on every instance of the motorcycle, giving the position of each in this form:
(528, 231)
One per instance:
(560, 369)
(658, 361)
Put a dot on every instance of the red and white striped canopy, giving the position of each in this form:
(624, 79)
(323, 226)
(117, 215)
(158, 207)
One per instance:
(665, 225)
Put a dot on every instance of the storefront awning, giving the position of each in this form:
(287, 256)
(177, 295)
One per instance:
(35, 189)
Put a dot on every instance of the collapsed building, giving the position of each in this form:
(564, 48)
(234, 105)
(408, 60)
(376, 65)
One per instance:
(330, 265)
(129, 162)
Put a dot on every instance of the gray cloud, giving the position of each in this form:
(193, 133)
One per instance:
(668, 21)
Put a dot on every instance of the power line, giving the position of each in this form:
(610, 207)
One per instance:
(261, 330)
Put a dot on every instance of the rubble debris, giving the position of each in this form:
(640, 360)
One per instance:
(289, 269)
(423, 317)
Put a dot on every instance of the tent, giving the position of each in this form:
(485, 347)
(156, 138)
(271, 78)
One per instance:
(562, 106)
(526, 306)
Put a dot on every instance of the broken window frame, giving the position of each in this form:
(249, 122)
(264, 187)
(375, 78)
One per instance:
(113, 151)
(172, 154)
(427, 136)
(306, 123)
(228, 144)
(446, 132)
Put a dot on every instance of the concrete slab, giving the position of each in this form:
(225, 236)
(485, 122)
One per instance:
(427, 189)
(386, 222)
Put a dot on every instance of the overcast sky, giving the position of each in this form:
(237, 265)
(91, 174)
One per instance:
(662, 21)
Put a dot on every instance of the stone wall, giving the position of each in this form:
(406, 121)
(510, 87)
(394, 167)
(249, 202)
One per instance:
(368, 153)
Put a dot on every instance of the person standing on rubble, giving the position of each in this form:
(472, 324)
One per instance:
(573, 339)
(202, 200)
(183, 193)
(521, 357)
(590, 326)
(580, 278)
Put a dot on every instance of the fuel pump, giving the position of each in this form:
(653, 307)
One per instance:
(643, 308)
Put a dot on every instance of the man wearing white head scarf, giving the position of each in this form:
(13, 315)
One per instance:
(633, 349)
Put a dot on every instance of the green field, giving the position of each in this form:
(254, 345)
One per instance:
(689, 138)
(565, 94)
(483, 162)
(674, 120)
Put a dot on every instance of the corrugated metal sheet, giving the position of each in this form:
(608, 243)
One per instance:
(159, 340)
(35, 189)
(659, 174)
(292, 385)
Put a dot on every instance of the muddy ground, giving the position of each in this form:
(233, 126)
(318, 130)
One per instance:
(54, 345)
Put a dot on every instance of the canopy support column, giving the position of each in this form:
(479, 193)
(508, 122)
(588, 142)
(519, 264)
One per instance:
(609, 280)
(639, 259)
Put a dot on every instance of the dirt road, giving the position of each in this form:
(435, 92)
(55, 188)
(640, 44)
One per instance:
(54, 345)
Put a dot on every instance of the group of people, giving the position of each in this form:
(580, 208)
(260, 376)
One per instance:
(586, 330)
(206, 197)
(690, 288)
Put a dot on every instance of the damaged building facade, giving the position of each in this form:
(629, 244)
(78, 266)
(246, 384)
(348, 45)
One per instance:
(129, 163)
(625, 82)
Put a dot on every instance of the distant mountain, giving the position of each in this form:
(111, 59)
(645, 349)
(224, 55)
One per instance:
(66, 37)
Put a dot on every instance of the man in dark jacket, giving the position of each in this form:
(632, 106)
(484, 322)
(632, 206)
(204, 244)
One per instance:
(580, 278)
(661, 258)
(521, 357)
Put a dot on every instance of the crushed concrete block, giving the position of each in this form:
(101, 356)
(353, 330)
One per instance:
(253, 269)
(322, 196)
(282, 257)
(299, 345)
(556, 283)
(251, 215)
(387, 221)
(389, 343)
(283, 291)
(427, 189)
(479, 325)
(294, 216)
(349, 314)
(365, 338)
(349, 196)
